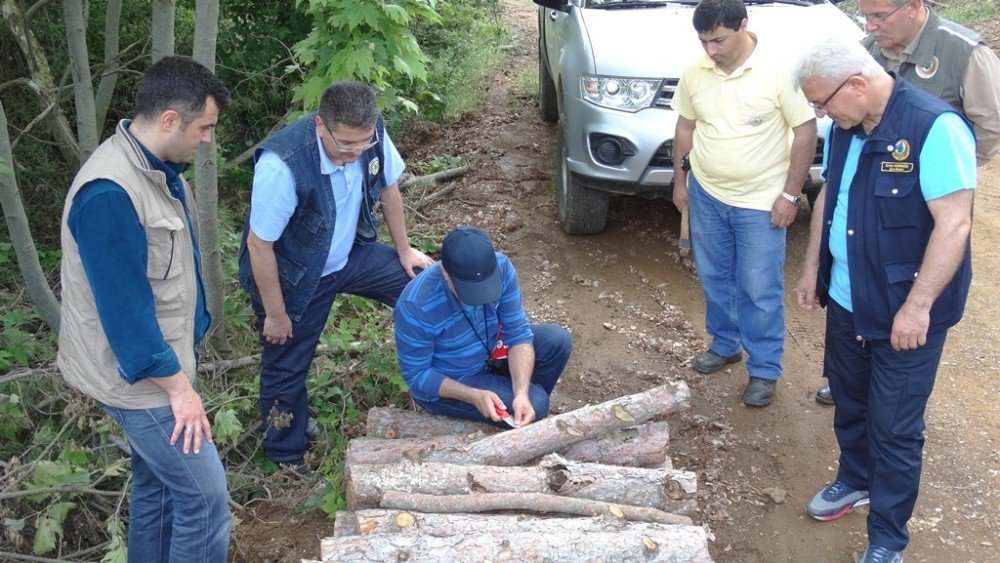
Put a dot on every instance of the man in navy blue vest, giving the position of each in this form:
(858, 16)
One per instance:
(311, 234)
(889, 258)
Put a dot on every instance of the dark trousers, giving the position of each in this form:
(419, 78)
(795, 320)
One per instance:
(880, 397)
(372, 271)
(553, 345)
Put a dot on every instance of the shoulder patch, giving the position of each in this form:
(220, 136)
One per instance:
(373, 166)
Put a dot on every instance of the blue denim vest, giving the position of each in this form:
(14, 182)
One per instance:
(888, 221)
(302, 248)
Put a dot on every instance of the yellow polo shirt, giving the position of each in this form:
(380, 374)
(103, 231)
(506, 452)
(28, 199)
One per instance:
(743, 130)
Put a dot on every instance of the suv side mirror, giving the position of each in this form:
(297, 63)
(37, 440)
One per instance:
(559, 5)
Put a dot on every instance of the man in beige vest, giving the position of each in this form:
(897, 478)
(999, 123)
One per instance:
(133, 310)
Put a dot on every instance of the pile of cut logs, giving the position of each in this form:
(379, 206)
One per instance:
(428, 488)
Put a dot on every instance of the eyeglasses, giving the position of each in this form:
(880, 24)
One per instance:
(822, 105)
(354, 148)
(877, 19)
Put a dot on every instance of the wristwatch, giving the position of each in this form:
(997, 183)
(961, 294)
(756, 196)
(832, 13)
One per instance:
(794, 199)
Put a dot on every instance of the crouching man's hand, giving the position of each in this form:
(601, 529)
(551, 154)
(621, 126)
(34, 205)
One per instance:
(523, 413)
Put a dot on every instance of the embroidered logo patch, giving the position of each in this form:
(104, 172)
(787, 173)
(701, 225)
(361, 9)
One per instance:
(901, 150)
(373, 166)
(928, 70)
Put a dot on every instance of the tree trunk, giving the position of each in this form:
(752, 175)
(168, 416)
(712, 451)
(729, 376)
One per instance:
(109, 72)
(163, 29)
(380, 522)
(20, 234)
(534, 502)
(43, 83)
(515, 447)
(638, 446)
(666, 490)
(676, 544)
(83, 84)
(206, 187)
(393, 422)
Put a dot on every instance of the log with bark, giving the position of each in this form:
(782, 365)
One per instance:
(674, 544)
(378, 521)
(393, 422)
(663, 489)
(637, 446)
(515, 447)
(540, 503)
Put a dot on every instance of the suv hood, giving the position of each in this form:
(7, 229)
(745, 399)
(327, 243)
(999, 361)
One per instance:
(661, 42)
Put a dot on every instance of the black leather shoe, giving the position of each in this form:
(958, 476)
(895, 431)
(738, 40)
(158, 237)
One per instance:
(824, 396)
(759, 392)
(710, 362)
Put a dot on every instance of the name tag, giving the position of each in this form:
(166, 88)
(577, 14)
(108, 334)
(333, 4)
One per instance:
(897, 167)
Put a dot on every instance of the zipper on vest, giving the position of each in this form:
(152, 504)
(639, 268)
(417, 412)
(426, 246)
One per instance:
(173, 236)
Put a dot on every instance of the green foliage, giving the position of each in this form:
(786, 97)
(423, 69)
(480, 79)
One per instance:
(968, 12)
(116, 553)
(23, 340)
(367, 40)
(439, 163)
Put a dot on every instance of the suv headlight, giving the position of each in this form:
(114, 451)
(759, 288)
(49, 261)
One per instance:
(622, 93)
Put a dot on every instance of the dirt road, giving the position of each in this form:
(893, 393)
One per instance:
(637, 316)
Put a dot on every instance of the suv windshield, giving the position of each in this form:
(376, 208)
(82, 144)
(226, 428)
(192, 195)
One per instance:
(613, 4)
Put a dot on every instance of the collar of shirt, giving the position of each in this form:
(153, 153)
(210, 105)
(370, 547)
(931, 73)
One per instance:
(326, 166)
(172, 170)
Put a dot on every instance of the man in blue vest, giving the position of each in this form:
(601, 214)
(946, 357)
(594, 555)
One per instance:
(941, 58)
(889, 258)
(310, 235)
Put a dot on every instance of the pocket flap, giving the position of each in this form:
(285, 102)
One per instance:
(906, 271)
(889, 186)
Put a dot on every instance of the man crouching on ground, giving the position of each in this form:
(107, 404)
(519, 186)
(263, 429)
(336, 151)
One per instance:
(465, 346)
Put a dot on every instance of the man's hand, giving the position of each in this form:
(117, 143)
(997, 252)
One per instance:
(524, 413)
(680, 197)
(486, 402)
(909, 328)
(782, 213)
(189, 415)
(277, 328)
(805, 290)
(413, 258)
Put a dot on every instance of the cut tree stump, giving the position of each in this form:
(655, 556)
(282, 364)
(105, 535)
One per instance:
(516, 447)
(638, 446)
(380, 521)
(533, 502)
(663, 489)
(680, 544)
(393, 422)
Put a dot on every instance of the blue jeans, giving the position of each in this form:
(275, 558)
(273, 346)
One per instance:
(178, 505)
(373, 271)
(740, 261)
(553, 345)
(881, 396)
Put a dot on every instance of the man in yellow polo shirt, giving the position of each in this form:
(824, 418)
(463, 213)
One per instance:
(748, 138)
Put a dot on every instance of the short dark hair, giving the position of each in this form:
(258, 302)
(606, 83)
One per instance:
(711, 14)
(350, 103)
(180, 84)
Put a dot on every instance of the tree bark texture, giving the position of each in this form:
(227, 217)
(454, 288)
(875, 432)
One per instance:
(637, 446)
(206, 186)
(20, 234)
(42, 82)
(109, 71)
(394, 422)
(163, 28)
(516, 447)
(83, 83)
(379, 521)
(675, 545)
(663, 489)
(532, 502)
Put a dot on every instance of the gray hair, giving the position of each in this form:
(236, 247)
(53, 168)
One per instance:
(834, 59)
(349, 103)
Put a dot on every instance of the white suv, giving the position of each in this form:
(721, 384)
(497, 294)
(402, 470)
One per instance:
(607, 70)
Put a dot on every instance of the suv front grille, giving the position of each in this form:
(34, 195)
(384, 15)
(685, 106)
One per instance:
(666, 93)
(664, 156)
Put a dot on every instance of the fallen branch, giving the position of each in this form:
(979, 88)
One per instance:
(531, 502)
(67, 489)
(516, 447)
(413, 182)
(430, 198)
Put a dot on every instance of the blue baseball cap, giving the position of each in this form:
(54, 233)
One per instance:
(467, 255)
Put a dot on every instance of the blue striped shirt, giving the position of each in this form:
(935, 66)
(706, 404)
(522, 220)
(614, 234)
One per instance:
(438, 337)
